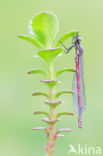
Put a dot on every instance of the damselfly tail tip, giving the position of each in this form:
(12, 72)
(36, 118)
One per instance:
(80, 124)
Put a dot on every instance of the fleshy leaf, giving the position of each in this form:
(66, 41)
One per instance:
(47, 120)
(66, 37)
(50, 83)
(36, 71)
(64, 70)
(40, 112)
(40, 128)
(49, 55)
(63, 130)
(53, 104)
(44, 27)
(40, 93)
(32, 40)
(64, 113)
(64, 92)
(59, 135)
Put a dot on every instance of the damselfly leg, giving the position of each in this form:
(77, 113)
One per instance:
(67, 49)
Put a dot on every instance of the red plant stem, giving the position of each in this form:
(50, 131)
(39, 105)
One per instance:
(79, 93)
(52, 115)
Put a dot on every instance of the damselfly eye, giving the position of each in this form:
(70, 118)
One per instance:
(79, 38)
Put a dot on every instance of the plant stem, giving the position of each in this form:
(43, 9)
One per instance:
(52, 115)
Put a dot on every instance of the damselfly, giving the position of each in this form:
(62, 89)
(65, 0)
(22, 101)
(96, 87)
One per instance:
(78, 81)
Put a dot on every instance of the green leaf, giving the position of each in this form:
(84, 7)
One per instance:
(53, 104)
(35, 71)
(64, 92)
(40, 128)
(47, 120)
(66, 36)
(64, 113)
(63, 130)
(44, 26)
(50, 83)
(32, 40)
(40, 112)
(40, 93)
(64, 70)
(49, 55)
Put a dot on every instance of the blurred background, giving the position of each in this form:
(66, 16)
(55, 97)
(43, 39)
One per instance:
(16, 58)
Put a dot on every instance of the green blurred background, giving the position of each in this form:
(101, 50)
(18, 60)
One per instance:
(16, 58)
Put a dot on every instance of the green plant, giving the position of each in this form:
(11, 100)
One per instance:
(43, 29)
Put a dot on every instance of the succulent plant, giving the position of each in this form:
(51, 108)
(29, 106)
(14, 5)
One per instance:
(43, 29)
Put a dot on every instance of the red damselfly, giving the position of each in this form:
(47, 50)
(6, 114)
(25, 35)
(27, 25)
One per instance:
(79, 100)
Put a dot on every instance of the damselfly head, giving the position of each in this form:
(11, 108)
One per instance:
(79, 38)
